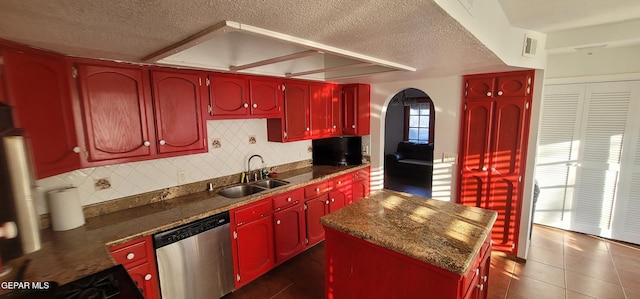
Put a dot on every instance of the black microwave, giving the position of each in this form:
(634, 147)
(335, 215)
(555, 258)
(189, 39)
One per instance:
(337, 151)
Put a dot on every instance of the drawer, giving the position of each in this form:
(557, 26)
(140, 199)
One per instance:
(316, 189)
(254, 212)
(361, 174)
(288, 199)
(130, 253)
(341, 181)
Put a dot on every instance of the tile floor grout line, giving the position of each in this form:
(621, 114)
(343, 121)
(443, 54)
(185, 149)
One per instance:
(615, 268)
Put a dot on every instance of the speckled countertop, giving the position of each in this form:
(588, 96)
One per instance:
(443, 234)
(68, 255)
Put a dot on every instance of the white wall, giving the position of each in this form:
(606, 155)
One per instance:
(446, 95)
(606, 61)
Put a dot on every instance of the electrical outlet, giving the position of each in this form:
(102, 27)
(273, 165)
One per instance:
(182, 177)
(449, 157)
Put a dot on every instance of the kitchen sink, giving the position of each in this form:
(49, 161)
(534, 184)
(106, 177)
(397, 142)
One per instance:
(251, 188)
(270, 183)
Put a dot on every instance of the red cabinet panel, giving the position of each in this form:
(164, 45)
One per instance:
(283, 201)
(337, 200)
(266, 97)
(116, 112)
(296, 111)
(493, 147)
(138, 258)
(38, 88)
(255, 249)
(228, 95)
(317, 189)
(252, 212)
(321, 96)
(289, 232)
(336, 110)
(360, 185)
(316, 208)
(356, 101)
(3, 89)
(177, 105)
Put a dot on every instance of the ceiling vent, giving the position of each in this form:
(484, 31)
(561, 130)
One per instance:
(530, 46)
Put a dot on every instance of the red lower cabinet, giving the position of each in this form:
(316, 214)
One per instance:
(138, 257)
(315, 208)
(355, 268)
(289, 232)
(360, 185)
(253, 243)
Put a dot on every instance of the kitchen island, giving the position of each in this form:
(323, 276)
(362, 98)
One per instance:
(396, 245)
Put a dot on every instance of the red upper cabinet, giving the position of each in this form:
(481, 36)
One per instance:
(116, 112)
(228, 96)
(493, 85)
(336, 110)
(320, 109)
(177, 98)
(38, 88)
(266, 97)
(493, 143)
(356, 101)
(295, 123)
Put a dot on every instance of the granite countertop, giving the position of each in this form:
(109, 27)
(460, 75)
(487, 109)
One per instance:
(69, 255)
(443, 234)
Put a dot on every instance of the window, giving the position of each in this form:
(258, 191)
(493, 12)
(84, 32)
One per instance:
(418, 121)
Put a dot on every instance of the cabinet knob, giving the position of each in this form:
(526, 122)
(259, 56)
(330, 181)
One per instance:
(484, 168)
(147, 277)
(289, 199)
(245, 105)
(485, 278)
(146, 143)
(130, 255)
(326, 202)
(499, 92)
(353, 126)
(162, 142)
(317, 189)
(339, 182)
(493, 169)
(333, 200)
(334, 126)
(76, 149)
(255, 105)
(481, 287)
(307, 128)
(489, 93)
(278, 222)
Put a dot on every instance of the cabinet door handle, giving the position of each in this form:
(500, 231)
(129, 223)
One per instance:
(333, 200)
(326, 202)
(130, 255)
(499, 92)
(76, 149)
(278, 222)
(147, 277)
(493, 169)
(334, 126)
(289, 199)
(353, 126)
(489, 93)
(317, 189)
(339, 182)
(307, 128)
(484, 168)
(146, 143)
(255, 105)
(245, 105)
(162, 142)
(485, 278)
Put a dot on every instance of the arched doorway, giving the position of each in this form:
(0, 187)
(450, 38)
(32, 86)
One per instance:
(408, 148)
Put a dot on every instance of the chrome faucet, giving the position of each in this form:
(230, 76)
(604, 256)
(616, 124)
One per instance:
(255, 178)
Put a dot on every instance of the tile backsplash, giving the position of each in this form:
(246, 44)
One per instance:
(235, 141)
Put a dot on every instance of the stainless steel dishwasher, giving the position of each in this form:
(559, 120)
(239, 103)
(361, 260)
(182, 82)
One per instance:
(195, 260)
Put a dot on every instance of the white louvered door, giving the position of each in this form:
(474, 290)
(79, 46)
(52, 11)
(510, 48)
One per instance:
(557, 153)
(588, 165)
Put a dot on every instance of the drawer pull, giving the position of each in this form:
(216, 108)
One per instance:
(289, 199)
(481, 287)
(317, 189)
(130, 255)
(147, 277)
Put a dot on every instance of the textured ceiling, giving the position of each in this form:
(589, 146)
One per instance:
(557, 15)
(410, 32)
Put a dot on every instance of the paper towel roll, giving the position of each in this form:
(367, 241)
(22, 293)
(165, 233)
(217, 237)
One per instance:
(65, 208)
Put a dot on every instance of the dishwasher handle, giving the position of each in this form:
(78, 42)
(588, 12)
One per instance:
(188, 230)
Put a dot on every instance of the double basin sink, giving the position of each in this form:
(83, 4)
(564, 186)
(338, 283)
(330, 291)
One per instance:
(246, 189)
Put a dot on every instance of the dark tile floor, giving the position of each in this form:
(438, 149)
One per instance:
(561, 264)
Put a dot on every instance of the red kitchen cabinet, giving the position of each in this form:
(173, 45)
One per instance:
(321, 105)
(138, 258)
(493, 146)
(38, 88)
(511, 84)
(266, 97)
(344, 185)
(116, 112)
(289, 232)
(336, 110)
(366, 270)
(3, 89)
(337, 200)
(295, 123)
(177, 98)
(356, 101)
(228, 96)
(315, 208)
(360, 185)
(253, 242)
